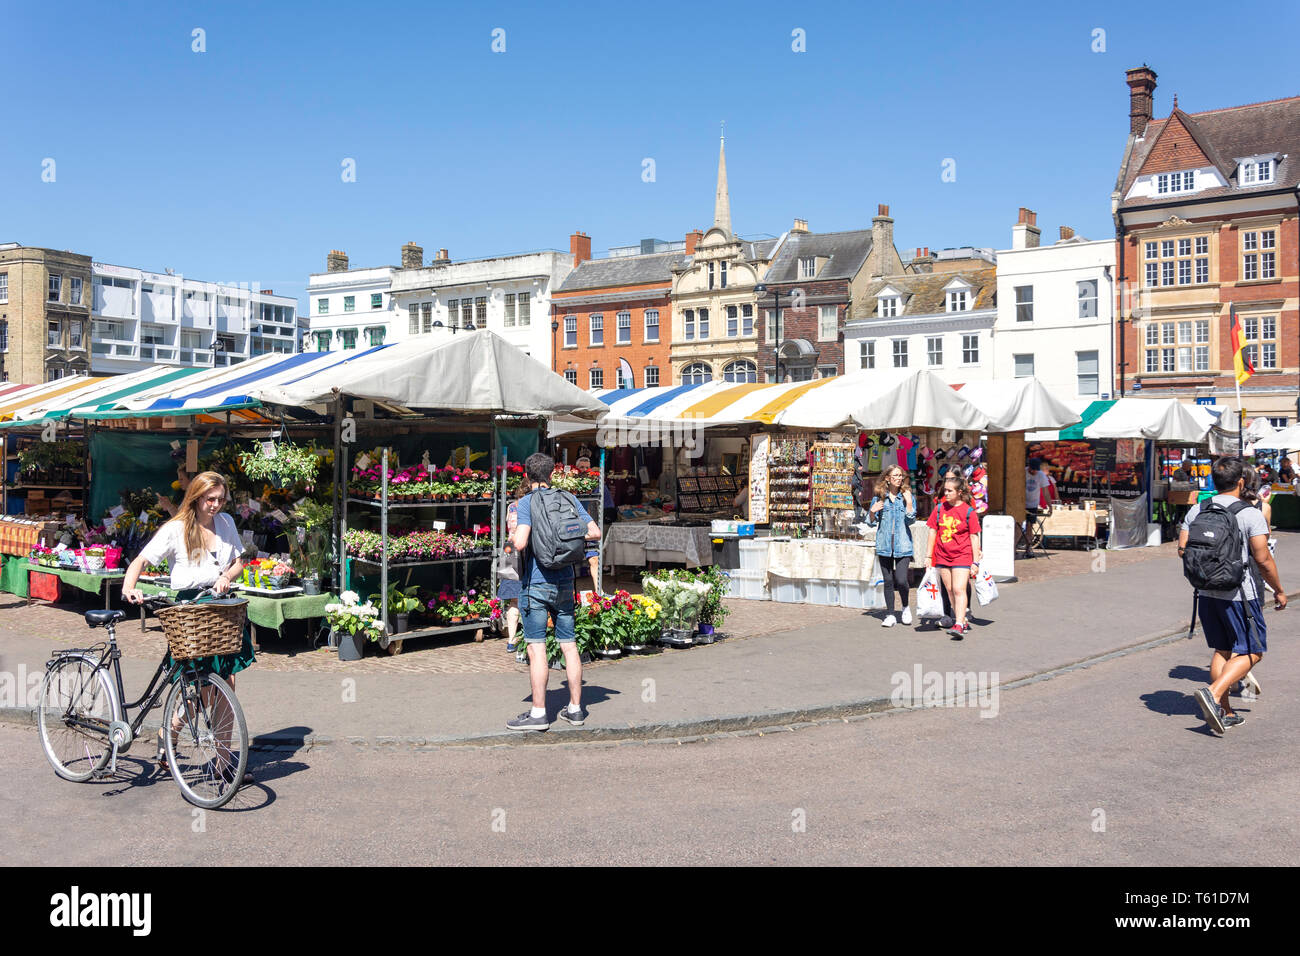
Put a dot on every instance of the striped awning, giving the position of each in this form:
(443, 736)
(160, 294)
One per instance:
(25, 396)
(878, 399)
(89, 395)
(219, 390)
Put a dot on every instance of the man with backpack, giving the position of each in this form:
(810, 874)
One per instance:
(1224, 546)
(551, 533)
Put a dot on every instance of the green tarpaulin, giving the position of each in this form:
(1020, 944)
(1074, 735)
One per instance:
(1090, 415)
(132, 460)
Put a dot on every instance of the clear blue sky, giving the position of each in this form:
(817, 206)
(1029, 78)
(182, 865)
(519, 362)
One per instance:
(225, 165)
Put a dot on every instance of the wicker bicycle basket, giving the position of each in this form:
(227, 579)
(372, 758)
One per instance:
(201, 630)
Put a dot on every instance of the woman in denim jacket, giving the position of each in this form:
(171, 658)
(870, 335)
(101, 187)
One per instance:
(893, 509)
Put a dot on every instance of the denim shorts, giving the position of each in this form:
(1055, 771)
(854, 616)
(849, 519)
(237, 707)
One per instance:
(537, 602)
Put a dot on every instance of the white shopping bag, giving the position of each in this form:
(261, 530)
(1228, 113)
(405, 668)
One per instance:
(929, 599)
(986, 589)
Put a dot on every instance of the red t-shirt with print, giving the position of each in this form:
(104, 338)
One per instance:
(952, 528)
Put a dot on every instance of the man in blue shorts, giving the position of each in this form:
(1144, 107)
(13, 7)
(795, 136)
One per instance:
(1233, 620)
(547, 592)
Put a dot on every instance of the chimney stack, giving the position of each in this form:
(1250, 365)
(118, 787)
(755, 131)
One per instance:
(412, 256)
(1142, 88)
(336, 261)
(443, 257)
(580, 246)
(692, 240)
(800, 225)
(1066, 233)
(882, 240)
(1025, 234)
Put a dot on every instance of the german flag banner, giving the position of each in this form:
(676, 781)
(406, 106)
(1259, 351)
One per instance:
(1241, 363)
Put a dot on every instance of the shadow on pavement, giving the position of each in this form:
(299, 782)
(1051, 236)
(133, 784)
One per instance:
(1172, 703)
(1190, 672)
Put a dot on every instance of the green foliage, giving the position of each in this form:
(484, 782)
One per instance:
(290, 465)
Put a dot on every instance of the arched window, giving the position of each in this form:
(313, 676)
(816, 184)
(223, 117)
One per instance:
(697, 373)
(741, 371)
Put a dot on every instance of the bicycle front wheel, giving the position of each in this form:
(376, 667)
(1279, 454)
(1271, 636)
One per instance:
(76, 707)
(207, 742)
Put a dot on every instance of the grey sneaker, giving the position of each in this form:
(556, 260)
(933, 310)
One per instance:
(1232, 720)
(1210, 709)
(569, 717)
(526, 721)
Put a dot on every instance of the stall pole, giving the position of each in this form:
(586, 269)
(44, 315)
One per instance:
(338, 522)
(600, 548)
(383, 545)
(496, 544)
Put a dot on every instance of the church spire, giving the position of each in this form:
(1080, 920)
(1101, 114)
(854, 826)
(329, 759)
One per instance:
(722, 203)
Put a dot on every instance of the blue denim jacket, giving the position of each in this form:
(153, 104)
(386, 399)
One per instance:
(894, 539)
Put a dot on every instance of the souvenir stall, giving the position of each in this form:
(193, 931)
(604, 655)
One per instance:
(806, 445)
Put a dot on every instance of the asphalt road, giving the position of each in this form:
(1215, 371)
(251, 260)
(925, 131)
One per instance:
(1105, 765)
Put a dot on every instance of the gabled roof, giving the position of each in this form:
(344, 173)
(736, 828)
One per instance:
(623, 270)
(1222, 136)
(759, 249)
(924, 292)
(847, 251)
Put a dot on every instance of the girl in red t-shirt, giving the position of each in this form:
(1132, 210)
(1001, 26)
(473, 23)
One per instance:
(955, 546)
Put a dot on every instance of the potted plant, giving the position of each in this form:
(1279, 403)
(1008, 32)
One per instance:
(681, 601)
(400, 605)
(713, 611)
(352, 624)
(287, 465)
(645, 626)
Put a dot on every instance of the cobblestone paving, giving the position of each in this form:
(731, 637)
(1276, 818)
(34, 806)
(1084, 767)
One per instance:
(64, 627)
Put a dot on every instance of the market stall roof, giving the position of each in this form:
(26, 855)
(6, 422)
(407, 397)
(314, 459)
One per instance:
(473, 372)
(94, 394)
(1159, 419)
(24, 396)
(884, 399)
(1022, 404)
(1286, 439)
(217, 390)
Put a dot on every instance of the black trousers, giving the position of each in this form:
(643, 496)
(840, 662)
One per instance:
(895, 571)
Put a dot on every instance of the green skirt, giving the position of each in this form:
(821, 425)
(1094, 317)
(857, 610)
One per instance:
(223, 665)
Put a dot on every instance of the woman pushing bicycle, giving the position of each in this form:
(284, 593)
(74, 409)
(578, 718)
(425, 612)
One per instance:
(204, 551)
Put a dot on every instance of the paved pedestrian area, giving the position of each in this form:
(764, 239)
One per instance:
(64, 626)
(811, 665)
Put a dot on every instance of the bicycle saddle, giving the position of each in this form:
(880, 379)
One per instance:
(100, 618)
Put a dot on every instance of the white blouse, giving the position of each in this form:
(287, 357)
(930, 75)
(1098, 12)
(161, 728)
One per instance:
(169, 543)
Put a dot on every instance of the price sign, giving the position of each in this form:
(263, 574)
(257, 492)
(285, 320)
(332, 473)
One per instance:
(440, 526)
(998, 544)
(254, 505)
(115, 511)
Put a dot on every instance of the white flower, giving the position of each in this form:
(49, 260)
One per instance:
(333, 608)
(350, 597)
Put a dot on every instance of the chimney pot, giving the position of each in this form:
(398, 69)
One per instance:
(336, 261)
(882, 209)
(1067, 232)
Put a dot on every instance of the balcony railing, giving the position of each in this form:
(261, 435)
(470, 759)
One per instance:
(196, 356)
(113, 349)
(158, 353)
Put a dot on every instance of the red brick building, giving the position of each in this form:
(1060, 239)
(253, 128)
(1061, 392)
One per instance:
(1206, 225)
(612, 317)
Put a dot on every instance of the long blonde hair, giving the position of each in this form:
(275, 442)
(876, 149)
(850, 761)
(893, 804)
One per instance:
(188, 513)
(881, 490)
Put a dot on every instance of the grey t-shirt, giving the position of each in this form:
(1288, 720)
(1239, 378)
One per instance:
(1251, 522)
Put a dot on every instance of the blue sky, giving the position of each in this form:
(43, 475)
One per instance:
(226, 164)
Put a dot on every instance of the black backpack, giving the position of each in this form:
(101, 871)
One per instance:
(559, 535)
(1212, 557)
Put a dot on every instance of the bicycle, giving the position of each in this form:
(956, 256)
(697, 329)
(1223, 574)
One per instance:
(83, 720)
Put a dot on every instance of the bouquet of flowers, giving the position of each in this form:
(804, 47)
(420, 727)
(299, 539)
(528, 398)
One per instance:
(679, 600)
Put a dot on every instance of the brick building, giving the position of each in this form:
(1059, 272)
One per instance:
(815, 277)
(612, 316)
(45, 310)
(1205, 209)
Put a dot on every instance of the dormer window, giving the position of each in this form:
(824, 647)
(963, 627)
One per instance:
(957, 301)
(1254, 172)
(889, 303)
(1181, 182)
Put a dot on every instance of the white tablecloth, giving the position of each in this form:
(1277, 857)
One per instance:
(629, 543)
(821, 558)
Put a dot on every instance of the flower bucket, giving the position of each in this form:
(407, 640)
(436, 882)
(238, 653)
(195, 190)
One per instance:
(352, 647)
(112, 558)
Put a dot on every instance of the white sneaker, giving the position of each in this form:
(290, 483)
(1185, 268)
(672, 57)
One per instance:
(907, 615)
(889, 621)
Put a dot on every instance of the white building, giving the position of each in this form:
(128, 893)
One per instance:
(350, 308)
(1054, 312)
(141, 318)
(937, 315)
(510, 295)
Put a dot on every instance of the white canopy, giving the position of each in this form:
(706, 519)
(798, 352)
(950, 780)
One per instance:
(1018, 405)
(1261, 432)
(471, 372)
(885, 400)
(1160, 419)
(1287, 439)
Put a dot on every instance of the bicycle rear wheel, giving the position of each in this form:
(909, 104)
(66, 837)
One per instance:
(75, 692)
(207, 746)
